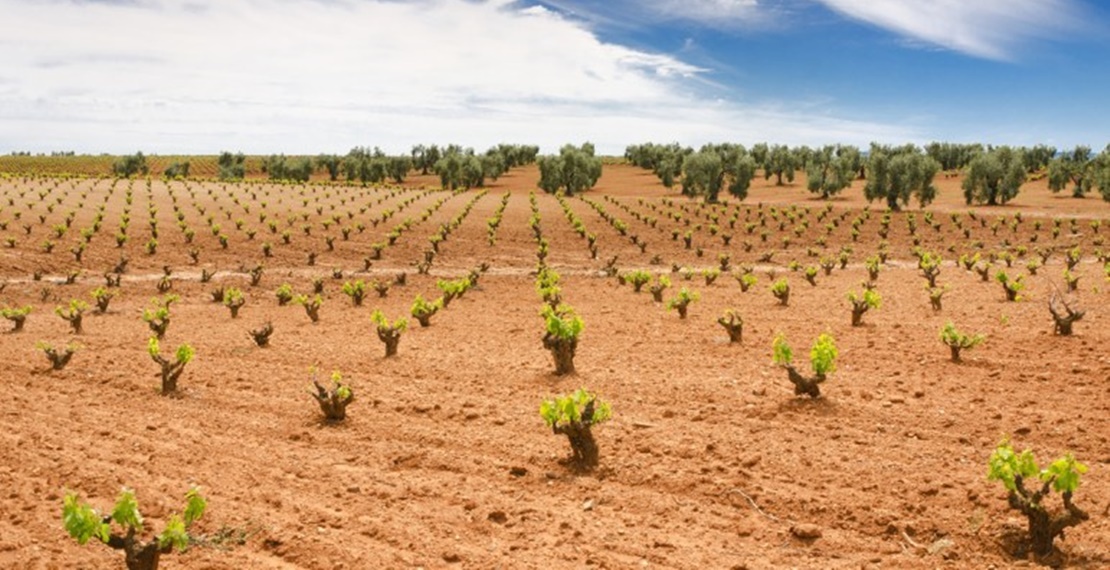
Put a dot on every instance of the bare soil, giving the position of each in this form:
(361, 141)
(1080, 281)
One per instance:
(443, 460)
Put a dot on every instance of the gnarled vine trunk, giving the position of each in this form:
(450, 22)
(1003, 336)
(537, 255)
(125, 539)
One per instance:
(804, 385)
(562, 350)
(1043, 527)
(138, 555)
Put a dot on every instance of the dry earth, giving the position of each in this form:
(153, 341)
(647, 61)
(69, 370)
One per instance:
(709, 461)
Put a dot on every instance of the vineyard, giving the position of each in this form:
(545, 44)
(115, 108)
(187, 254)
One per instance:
(201, 322)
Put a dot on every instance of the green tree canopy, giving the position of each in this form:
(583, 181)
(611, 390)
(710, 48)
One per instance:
(717, 167)
(368, 166)
(1037, 157)
(831, 169)
(780, 162)
(1075, 167)
(424, 158)
(130, 165)
(896, 174)
(278, 167)
(330, 162)
(459, 167)
(665, 161)
(574, 169)
(231, 166)
(994, 177)
(177, 170)
(952, 156)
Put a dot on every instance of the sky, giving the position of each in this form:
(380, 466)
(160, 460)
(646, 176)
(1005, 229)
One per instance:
(312, 76)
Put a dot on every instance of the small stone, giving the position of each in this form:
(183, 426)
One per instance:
(806, 531)
(450, 557)
(588, 505)
(518, 471)
(498, 517)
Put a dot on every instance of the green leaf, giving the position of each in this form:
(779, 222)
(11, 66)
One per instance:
(174, 535)
(1005, 465)
(823, 354)
(185, 353)
(566, 409)
(783, 354)
(549, 412)
(1064, 474)
(126, 512)
(195, 506)
(81, 521)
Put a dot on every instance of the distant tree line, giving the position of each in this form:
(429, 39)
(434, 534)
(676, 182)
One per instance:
(895, 175)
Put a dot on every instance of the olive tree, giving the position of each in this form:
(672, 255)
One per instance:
(1037, 157)
(573, 170)
(717, 167)
(1102, 173)
(330, 162)
(278, 167)
(130, 165)
(781, 162)
(1076, 168)
(953, 156)
(898, 174)
(831, 169)
(516, 154)
(424, 158)
(458, 167)
(177, 170)
(665, 161)
(231, 166)
(994, 177)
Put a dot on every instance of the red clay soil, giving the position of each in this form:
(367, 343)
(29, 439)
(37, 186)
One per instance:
(709, 460)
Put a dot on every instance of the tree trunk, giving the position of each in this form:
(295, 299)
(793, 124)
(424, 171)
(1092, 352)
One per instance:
(803, 385)
(857, 314)
(562, 351)
(170, 373)
(138, 555)
(391, 342)
(582, 445)
(142, 556)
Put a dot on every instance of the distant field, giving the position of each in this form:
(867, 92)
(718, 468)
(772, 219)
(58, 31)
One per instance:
(201, 166)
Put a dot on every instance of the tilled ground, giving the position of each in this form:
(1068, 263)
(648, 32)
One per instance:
(708, 462)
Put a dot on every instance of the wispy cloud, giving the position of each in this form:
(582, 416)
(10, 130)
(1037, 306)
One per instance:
(311, 75)
(992, 29)
(719, 14)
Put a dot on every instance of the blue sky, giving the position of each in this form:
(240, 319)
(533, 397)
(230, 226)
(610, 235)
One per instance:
(308, 76)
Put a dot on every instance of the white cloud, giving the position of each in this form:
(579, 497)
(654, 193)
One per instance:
(305, 76)
(991, 29)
